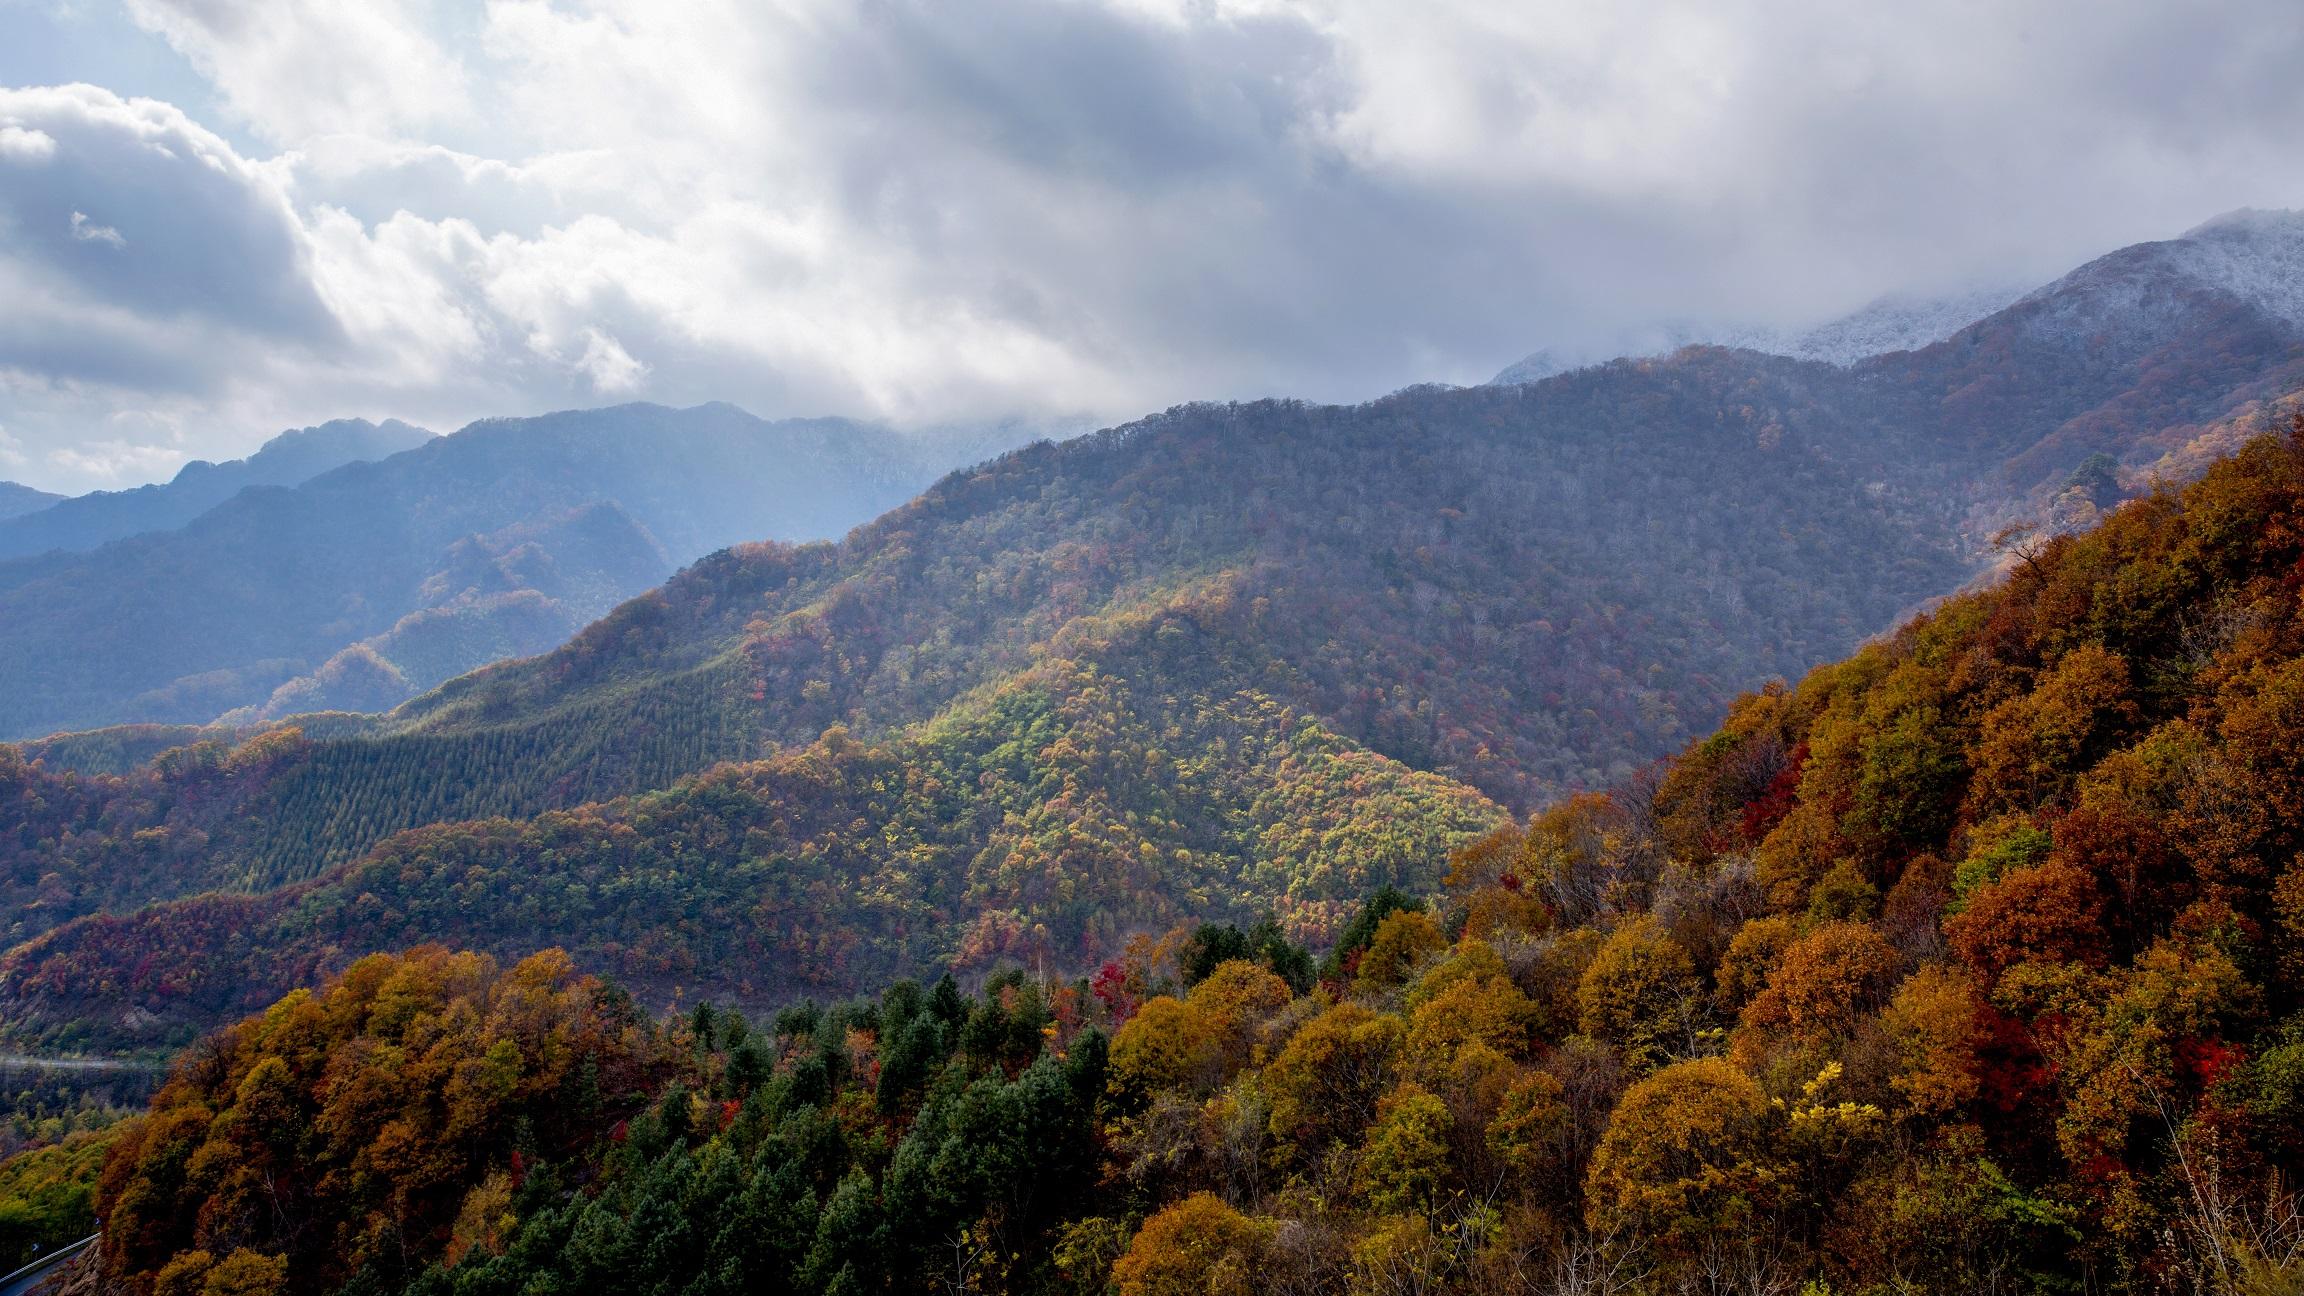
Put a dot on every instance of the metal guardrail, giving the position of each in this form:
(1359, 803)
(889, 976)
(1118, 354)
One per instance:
(19, 1280)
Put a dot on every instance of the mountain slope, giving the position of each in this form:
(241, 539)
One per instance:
(2109, 358)
(1281, 609)
(2126, 357)
(1973, 962)
(17, 500)
(291, 458)
(1897, 322)
(1520, 590)
(2130, 357)
(1584, 552)
(478, 533)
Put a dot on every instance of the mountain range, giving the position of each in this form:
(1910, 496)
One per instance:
(1222, 660)
(289, 459)
(1230, 658)
(371, 581)
(1972, 962)
(17, 499)
(2252, 257)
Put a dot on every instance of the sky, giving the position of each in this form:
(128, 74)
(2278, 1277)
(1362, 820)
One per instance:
(222, 218)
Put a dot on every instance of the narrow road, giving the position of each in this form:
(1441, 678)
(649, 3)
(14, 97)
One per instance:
(31, 1062)
(37, 1272)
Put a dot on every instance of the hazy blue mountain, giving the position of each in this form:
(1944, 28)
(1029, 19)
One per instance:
(16, 500)
(293, 457)
(376, 580)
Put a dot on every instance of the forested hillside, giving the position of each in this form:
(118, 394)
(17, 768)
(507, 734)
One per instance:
(390, 580)
(1974, 962)
(1523, 588)
(1499, 594)
(375, 581)
(1446, 580)
(1043, 824)
(2115, 358)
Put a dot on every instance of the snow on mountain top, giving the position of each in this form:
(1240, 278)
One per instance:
(2257, 256)
(1899, 322)
(2254, 255)
(2278, 222)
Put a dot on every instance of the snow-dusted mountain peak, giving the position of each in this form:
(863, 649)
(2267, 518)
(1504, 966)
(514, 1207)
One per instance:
(2251, 256)
(1898, 322)
(2254, 258)
(2257, 256)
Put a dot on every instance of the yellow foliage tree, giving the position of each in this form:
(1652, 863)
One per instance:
(1752, 953)
(1488, 1010)
(1933, 1024)
(1639, 992)
(1198, 1247)
(1326, 1083)
(1233, 1001)
(1823, 983)
(1407, 1152)
(1168, 1044)
(1401, 945)
(1684, 1154)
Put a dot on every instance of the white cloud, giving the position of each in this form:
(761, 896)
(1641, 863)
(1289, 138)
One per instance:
(18, 144)
(88, 231)
(608, 366)
(294, 69)
(11, 450)
(936, 212)
(112, 460)
(205, 234)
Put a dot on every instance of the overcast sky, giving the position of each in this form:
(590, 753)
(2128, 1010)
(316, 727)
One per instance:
(219, 218)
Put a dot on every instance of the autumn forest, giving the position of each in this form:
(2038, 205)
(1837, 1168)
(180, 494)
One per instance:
(1974, 962)
(1713, 822)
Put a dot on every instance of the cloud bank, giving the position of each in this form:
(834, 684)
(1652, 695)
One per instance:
(931, 212)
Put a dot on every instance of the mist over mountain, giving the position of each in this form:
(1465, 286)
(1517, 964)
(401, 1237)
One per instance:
(291, 458)
(984, 694)
(1228, 658)
(376, 580)
(2248, 259)
(1898, 322)
(1971, 956)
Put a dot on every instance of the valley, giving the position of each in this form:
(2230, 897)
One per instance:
(1411, 789)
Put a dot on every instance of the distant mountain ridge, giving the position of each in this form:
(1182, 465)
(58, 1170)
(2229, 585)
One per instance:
(1223, 659)
(1897, 322)
(1229, 656)
(289, 459)
(501, 539)
(17, 499)
(2164, 336)
(2250, 257)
